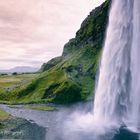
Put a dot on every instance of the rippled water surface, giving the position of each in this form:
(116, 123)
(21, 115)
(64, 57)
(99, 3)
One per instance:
(73, 122)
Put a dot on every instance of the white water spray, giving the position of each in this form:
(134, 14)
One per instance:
(117, 97)
(134, 114)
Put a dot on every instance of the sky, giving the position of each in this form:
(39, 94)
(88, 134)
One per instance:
(34, 31)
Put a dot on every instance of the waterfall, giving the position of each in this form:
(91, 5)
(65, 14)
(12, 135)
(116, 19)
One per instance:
(117, 97)
(134, 113)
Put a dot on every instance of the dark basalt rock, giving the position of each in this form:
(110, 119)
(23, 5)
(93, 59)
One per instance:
(125, 134)
(16, 128)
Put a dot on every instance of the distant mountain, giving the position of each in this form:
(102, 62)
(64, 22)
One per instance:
(20, 69)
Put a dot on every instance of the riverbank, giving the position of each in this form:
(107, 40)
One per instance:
(18, 128)
(35, 107)
(72, 122)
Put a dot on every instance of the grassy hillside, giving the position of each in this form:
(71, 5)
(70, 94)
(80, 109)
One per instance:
(71, 77)
(10, 85)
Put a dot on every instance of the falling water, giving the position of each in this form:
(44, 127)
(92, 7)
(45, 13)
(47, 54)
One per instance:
(117, 96)
(134, 113)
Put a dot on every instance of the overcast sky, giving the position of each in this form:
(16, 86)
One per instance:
(34, 31)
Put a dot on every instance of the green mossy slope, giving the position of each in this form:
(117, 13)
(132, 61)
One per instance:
(71, 77)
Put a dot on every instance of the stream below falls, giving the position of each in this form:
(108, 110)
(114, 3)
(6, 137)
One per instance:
(73, 122)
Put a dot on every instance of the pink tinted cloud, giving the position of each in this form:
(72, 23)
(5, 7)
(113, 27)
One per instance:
(38, 29)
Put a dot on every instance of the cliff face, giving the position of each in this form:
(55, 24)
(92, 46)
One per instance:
(92, 30)
(71, 77)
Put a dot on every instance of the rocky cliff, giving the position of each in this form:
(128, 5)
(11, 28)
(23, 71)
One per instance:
(71, 77)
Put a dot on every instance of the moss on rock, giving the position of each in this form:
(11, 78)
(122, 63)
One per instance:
(16, 128)
(71, 77)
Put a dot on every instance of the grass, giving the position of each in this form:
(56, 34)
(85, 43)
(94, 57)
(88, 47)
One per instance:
(71, 80)
(43, 108)
(11, 82)
(3, 115)
(66, 79)
(11, 85)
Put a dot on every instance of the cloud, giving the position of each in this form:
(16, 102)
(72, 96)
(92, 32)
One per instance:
(34, 31)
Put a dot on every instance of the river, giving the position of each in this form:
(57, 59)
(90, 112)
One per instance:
(71, 122)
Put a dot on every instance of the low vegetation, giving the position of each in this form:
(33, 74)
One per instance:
(3, 115)
(35, 107)
(10, 85)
